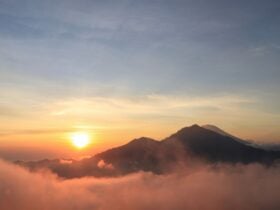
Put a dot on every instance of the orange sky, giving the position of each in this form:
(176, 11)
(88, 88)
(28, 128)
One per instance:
(115, 121)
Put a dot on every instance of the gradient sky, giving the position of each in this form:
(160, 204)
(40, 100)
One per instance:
(124, 69)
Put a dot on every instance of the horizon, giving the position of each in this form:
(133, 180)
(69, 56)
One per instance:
(20, 154)
(31, 153)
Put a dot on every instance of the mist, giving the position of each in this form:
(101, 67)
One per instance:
(249, 187)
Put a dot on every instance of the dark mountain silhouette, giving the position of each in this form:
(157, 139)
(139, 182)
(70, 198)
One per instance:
(146, 154)
(215, 147)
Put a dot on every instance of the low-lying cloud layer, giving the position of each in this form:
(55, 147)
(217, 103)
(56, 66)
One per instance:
(250, 187)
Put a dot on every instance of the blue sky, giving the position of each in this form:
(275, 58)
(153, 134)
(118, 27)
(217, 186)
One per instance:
(193, 47)
(223, 53)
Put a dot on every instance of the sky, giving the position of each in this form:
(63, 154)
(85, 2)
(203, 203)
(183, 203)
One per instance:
(123, 69)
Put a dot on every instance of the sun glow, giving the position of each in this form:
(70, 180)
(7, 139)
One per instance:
(80, 140)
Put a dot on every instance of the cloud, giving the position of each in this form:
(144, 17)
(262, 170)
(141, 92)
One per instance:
(33, 131)
(250, 187)
(101, 164)
(147, 105)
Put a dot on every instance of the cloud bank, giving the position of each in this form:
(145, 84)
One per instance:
(250, 187)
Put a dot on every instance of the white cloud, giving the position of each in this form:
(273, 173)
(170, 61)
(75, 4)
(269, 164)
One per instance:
(250, 187)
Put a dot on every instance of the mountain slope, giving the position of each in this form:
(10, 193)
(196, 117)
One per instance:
(139, 154)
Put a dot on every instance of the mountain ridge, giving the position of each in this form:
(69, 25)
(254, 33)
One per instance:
(147, 154)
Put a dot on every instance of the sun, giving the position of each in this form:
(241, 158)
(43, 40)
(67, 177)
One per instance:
(80, 139)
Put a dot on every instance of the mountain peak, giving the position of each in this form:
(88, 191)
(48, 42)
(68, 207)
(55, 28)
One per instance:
(142, 139)
(195, 126)
(189, 128)
(143, 142)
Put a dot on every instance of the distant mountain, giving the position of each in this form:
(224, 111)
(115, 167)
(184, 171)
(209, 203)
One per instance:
(224, 133)
(271, 146)
(146, 154)
(219, 131)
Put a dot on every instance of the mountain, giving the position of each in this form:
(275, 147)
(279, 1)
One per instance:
(146, 154)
